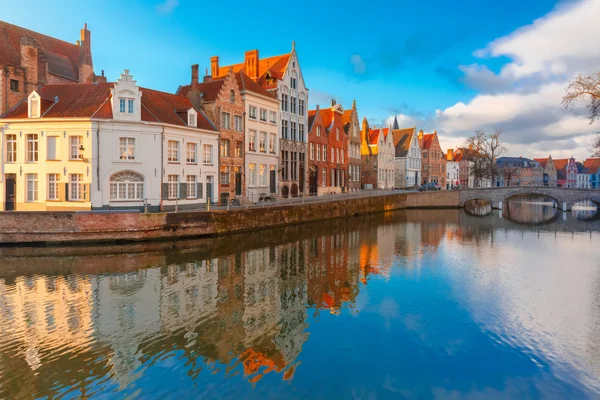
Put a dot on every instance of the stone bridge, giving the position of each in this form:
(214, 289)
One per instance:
(497, 196)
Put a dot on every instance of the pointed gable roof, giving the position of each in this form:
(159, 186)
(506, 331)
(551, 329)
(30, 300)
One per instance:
(402, 140)
(561, 164)
(542, 161)
(275, 66)
(427, 140)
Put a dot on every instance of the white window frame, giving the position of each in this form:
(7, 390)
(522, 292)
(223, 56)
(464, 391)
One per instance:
(126, 186)
(53, 182)
(31, 194)
(273, 117)
(173, 151)
(262, 142)
(191, 153)
(192, 186)
(192, 120)
(76, 187)
(262, 112)
(312, 151)
(225, 120)
(252, 112)
(11, 148)
(252, 140)
(272, 143)
(237, 123)
(32, 149)
(126, 149)
(208, 154)
(173, 185)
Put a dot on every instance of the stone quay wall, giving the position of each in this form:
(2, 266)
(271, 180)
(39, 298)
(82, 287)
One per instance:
(72, 227)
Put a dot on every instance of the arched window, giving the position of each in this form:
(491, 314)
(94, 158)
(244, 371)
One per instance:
(232, 96)
(126, 185)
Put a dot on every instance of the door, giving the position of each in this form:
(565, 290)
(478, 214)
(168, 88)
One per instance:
(301, 178)
(209, 188)
(238, 183)
(312, 181)
(10, 192)
(272, 182)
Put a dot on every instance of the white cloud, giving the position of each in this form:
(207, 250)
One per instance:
(358, 64)
(524, 98)
(167, 6)
(404, 121)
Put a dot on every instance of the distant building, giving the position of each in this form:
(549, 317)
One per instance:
(550, 176)
(352, 129)
(29, 59)
(519, 171)
(378, 161)
(452, 171)
(433, 159)
(566, 172)
(593, 167)
(583, 177)
(407, 158)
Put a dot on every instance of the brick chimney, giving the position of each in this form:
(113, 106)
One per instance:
(29, 60)
(195, 77)
(421, 134)
(251, 64)
(101, 78)
(333, 102)
(86, 67)
(450, 155)
(214, 66)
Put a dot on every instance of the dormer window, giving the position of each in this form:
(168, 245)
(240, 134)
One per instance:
(192, 118)
(34, 105)
(126, 105)
(130, 106)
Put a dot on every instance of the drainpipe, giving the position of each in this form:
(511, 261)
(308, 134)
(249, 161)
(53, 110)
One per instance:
(98, 155)
(244, 152)
(5, 90)
(162, 150)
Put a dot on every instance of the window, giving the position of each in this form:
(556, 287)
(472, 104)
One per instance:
(14, 86)
(332, 182)
(173, 185)
(318, 152)
(122, 105)
(293, 165)
(208, 154)
(192, 120)
(301, 107)
(272, 140)
(232, 96)
(293, 106)
(237, 123)
(252, 112)
(293, 125)
(284, 165)
(252, 141)
(191, 150)
(32, 187)
(11, 148)
(324, 178)
(53, 180)
(225, 148)
(337, 133)
(263, 142)
(126, 186)
(332, 154)
(337, 155)
(263, 175)
(318, 131)
(173, 151)
(127, 148)
(238, 149)
(342, 157)
(191, 186)
(293, 82)
(224, 176)
(284, 129)
(324, 153)
(252, 174)
(225, 120)
(130, 106)
(301, 130)
(312, 151)
(32, 147)
(77, 188)
(34, 108)
(273, 117)
(284, 102)
(263, 115)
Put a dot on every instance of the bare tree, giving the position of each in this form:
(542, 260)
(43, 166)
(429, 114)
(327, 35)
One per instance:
(586, 88)
(494, 148)
(484, 150)
(508, 173)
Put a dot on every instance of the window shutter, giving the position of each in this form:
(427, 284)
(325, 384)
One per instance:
(165, 191)
(86, 191)
(61, 192)
(183, 191)
(66, 192)
(199, 190)
(51, 148)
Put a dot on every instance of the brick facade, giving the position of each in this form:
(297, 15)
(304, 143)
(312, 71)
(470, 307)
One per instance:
(433, 159)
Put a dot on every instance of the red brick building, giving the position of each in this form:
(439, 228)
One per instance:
(29, 59)
(222, 102)
(433, 159)
(328, 143)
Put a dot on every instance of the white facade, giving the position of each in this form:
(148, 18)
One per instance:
(452, 174)
(262, 145)
(293, 96)
(386, 163)
(583, 181)
(408, 168)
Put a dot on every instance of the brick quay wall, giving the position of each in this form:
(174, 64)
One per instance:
(73, 227)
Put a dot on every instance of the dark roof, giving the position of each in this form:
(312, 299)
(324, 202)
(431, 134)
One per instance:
(520, 162)
(402, 140)
(62, 57)
(395, 125)
(91, 100)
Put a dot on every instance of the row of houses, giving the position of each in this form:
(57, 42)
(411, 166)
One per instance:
(72, 140)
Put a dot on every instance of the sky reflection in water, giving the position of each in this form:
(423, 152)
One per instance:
(418, 304)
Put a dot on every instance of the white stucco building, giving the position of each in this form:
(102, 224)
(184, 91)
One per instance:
(407, 158)
(452, 172)
(386, 162)
(104, 146)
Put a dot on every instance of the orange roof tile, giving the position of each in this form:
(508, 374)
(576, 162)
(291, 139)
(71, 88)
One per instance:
(275, 65)
(426, 141)
(542, 161)
(346, 117)
(402, 140)
(373, 137)
(561, 164)
(592, 165)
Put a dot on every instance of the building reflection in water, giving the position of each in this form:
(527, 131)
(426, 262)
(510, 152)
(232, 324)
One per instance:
(229, 306)
(530, 209)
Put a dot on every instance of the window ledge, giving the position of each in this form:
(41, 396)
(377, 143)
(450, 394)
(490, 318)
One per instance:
(173, 162)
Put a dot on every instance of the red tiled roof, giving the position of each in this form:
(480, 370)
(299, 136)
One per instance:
(247, 84)
(592, 165)
(210, 90)
(426, 141)
(561, 164)
(346, 117)
(89, 100)
(374, 136)
(62, 57)
(402, 140)
(542, 161)
(276, 66)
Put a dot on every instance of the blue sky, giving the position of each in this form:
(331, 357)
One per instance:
(405, 56)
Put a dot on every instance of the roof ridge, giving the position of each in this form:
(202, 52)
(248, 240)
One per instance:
(38, 33)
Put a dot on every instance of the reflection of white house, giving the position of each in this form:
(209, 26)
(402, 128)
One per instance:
(105, 145)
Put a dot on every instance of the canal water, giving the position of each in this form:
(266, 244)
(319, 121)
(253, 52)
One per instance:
(413, 304)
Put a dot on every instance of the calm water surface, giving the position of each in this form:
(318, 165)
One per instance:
(419, 304)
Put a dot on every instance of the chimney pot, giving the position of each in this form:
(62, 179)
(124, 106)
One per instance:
(195, 76)
(332, 102)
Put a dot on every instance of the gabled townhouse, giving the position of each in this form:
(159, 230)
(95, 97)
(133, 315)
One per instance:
(433, 159)
(519, 171)
(583, 176)
(550, 175)
(352, 129)
(282, 76)
(566, 172)
(220, 99)
(106, 146)
(452, 171)
(318, 166)
(378, 161)
(593, 167)
(30, 59)
(333, 151)
(407, 155)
